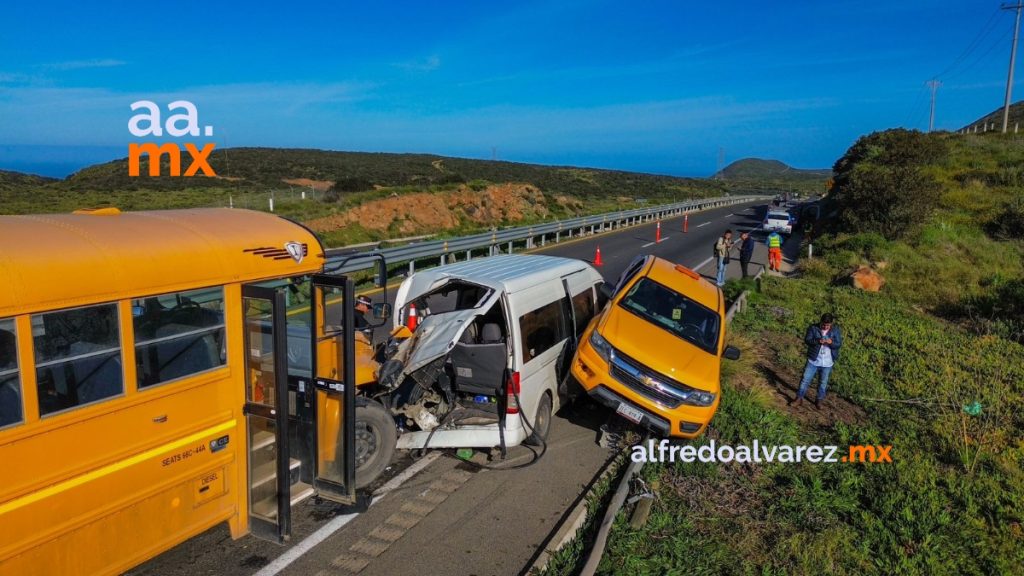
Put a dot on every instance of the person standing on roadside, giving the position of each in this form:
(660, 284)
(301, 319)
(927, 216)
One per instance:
(746, 251)
(823, 342)
(722, 248)
(774, 242)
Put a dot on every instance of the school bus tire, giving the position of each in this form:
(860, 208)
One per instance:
(375, 441)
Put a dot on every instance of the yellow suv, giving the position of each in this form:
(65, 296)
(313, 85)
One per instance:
(654, 353)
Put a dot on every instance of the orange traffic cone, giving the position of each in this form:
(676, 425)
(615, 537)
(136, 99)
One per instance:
(657, 234)
(686, 222)
(411, 320)
(597, 257)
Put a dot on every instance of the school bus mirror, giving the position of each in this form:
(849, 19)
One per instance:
(382, 311)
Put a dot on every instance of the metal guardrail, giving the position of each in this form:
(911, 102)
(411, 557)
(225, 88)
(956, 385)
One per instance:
(494, 240)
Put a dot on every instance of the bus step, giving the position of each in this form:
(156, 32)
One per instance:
(267, 507)
(262, 439)
(267, 472)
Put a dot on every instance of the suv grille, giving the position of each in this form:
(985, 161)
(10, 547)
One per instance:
(644, 381)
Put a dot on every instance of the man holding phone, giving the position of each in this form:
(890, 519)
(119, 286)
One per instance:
(823, 342)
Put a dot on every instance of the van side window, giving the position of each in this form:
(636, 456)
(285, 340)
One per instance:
(543, 328)
(78, 357)
(177, 335)
(583, 309)
(10, 387)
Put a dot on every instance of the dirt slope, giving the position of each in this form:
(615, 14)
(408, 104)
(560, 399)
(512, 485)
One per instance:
(432, 212)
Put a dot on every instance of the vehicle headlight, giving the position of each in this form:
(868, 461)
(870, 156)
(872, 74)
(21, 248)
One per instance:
(601, 346)
(700, 398)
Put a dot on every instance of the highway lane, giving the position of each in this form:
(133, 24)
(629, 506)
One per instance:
(690, 249)
(492, 522)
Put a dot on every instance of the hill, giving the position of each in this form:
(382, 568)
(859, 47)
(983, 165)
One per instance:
(996, 118)
(13, 180)
(760, 168)
(762, 175)
(360, 171)
(335, 190)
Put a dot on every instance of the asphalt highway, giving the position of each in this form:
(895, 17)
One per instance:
(452, 517)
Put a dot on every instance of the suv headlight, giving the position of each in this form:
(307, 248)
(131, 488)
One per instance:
(601, 346)
(699, 398)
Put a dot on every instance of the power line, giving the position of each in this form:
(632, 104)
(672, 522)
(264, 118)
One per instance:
(981, 57)
(921, 111)
(986, 29)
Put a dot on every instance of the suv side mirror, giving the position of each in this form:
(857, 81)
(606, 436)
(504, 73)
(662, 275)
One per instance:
(381, 311)
(607, 291)
(731, 353)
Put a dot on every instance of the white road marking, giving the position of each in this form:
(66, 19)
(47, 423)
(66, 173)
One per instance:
(702, 264)
(339, 522)
(704, 224)
(653, 243)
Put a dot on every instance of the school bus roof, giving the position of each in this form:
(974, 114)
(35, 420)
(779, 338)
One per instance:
(64, 260)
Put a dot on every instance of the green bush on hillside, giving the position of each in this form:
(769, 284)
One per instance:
(1009, 223)
(881, 185)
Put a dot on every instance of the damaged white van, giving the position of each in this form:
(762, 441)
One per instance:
(495, 339)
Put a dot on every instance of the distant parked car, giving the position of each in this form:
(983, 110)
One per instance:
(777, 221)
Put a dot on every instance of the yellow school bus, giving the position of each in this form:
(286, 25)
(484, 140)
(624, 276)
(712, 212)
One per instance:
(157, 378)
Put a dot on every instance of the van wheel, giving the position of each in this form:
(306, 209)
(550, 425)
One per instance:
(541, 422)
(375, 441)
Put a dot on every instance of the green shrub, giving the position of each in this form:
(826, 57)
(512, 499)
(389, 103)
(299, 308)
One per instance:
(1009, 223)
(881, 185)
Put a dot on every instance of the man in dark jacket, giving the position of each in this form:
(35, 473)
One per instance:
(746, 251)
(823, 342)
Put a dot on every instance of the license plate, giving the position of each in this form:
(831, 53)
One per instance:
(629, 413)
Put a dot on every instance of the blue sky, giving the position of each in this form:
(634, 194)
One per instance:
(652, 86)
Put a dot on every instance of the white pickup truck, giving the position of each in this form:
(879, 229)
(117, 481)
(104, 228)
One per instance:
(777, 221)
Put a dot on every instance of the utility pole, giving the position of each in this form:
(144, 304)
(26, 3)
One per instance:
(1013, 59)
(934, 85)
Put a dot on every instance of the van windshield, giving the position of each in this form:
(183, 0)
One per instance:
(454, 295)
(673, 312)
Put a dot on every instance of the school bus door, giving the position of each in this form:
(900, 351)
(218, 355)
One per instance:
(333, 358)
(274, 470)
(266, 411)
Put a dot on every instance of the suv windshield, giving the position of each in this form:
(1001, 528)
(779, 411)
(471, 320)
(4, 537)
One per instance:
(671, 311)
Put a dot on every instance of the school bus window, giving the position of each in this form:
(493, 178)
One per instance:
(78, 357)
(177, 335)
(10, 388)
